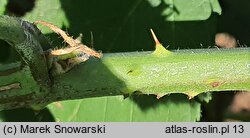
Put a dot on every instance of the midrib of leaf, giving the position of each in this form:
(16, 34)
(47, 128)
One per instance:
(105, 108)
(75, 112)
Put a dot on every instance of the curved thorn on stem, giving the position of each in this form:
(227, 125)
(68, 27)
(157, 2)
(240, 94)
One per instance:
(154, 37)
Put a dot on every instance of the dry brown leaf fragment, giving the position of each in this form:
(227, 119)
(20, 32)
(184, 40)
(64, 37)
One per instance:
(64, 59)
(72, 42)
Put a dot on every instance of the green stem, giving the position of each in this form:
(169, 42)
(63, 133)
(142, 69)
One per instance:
(27, 40)
(185, 71)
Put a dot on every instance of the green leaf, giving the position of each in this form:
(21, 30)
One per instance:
(177, 10)
(216, 6)
(2, 6)
(144, 108)
(206, 97)
(49, 11)
(154, 3)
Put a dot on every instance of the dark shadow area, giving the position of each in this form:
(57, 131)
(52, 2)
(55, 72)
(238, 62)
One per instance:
(26, 115)
(124, 26)
(214, 111)
(7, 53)
(19, 7)
(227, 106)
(4, 51)
(235, 20)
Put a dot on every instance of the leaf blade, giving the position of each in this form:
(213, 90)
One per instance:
(135, 109)
(50, 11)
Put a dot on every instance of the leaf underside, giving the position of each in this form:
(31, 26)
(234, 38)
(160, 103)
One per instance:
(141, 108)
